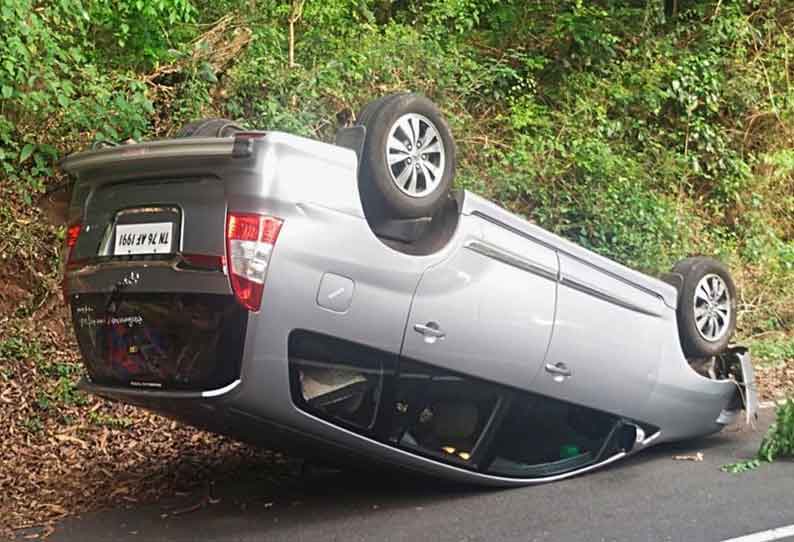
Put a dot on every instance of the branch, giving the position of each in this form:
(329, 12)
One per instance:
(295, 14)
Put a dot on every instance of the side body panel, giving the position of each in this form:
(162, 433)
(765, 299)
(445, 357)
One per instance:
(683, 403)
(475, 204)
(313, 243)
(608, 334)
(494, 302)
(616, 330)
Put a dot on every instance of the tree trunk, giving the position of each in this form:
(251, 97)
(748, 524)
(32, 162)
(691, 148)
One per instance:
(291, 44)
(671, 8)
(295, 14)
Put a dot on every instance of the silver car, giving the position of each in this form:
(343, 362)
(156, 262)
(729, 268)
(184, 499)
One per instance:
(342, 302)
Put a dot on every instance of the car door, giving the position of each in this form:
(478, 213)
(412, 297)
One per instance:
(606, 348)
(488, 310)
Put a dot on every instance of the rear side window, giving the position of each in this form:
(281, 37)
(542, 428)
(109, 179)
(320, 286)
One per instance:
(340, 381)
(167, 341)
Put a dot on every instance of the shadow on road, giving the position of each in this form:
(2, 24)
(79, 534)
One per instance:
(259, 497)
(265, 500)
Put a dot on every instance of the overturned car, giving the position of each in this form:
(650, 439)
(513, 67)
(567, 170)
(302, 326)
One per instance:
(343, 302)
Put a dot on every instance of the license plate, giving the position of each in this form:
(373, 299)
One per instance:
(151, 238)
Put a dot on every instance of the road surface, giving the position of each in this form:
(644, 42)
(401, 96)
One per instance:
(647, 497)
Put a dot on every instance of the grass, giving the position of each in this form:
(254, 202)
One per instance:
(773, 352)
(112, 422)
(16, 347)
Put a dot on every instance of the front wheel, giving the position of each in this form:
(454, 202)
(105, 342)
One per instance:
(213, 127)
(706, 307)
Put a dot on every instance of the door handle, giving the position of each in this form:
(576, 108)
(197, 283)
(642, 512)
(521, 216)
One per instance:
(430, 330)
(559, 369)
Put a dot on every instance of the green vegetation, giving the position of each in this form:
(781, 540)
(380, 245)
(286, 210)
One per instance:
(112, 422)
(773, 351)
(777, 443)
(779, 440)
(647, 131)
(16, 349)
(23, 351)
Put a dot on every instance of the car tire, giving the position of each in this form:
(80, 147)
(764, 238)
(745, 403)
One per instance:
(214, 127)
(372, 107)
(706, 307)
(415, 184)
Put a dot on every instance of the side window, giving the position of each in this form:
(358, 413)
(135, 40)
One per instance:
(448, 416)
(540, 437)
(337, 380)
(498, 430)
(441, 414)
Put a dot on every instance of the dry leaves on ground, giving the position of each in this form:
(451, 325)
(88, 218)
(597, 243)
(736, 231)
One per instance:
(66, 458)
(775, 382)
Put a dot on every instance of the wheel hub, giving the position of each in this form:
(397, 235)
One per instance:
(415, 155)
(712, 308)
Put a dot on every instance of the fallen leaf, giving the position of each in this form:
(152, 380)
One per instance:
(73, 440)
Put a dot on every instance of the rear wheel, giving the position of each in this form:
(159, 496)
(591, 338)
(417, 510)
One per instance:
(409, 157)
(706, 308)
(214, 127)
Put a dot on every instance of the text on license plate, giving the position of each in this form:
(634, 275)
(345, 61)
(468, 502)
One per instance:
(152, 238)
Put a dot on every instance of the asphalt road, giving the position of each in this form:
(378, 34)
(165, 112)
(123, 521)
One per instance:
(648, 497)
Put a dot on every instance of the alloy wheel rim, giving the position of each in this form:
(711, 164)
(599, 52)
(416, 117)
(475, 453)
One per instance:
(712, 307)
(415, 155)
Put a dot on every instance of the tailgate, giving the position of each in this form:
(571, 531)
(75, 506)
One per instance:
(145, 277)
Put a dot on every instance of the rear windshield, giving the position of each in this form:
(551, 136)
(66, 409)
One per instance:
(169, 341)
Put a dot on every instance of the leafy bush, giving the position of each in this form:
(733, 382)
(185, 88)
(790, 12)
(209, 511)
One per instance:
(644, 137)
(53, 91)
(138, 31)
(777, 443)
(585, 31)
(779, 439)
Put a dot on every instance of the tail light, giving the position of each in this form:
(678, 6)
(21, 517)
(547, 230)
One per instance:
(250, 239)
(72, 235)
(244, 143)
